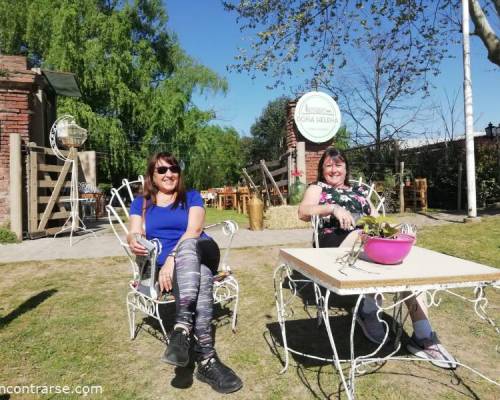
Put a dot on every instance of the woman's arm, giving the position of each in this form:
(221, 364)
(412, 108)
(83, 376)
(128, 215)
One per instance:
(309, 205)
(196, 221)
(135, 228)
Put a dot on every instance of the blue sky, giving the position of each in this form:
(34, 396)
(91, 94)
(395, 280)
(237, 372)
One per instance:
(211, 36)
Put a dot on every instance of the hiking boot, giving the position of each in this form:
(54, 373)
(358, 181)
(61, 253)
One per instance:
(177, 352)
(221, 378)
(431, 349)
(371, 326)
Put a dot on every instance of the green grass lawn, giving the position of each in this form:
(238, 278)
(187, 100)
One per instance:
(65, 323)
(215, 215)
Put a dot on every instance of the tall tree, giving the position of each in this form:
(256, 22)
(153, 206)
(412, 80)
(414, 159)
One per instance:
(483, 29)
(269, 131)
(217, 158)
(378, 92)
(316, 32)
(136, 81)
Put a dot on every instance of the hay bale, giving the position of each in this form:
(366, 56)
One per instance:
(283, 217)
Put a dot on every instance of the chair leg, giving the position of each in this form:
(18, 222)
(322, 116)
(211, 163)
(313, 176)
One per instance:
(157, 316)
(131, 317)
(235, 306)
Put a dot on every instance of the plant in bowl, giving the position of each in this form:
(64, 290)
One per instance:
(382, 242)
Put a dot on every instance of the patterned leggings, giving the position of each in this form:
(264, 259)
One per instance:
(193, 286)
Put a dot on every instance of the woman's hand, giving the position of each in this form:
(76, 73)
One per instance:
(135, 247)
(346, 221)
(166, 275)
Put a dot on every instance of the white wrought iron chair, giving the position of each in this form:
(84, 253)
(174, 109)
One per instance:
(139, 297)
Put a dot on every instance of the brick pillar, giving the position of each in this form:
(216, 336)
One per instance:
(16, 89)
(313, 151)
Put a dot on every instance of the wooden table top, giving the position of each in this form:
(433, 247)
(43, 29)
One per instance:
(422, 269)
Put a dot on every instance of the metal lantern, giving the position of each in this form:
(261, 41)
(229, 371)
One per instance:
(492, 130)
(70, 134)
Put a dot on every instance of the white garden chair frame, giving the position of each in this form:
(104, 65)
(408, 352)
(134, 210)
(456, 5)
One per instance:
(226, 287)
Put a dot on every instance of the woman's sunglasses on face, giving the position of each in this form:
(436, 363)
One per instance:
(175, 169)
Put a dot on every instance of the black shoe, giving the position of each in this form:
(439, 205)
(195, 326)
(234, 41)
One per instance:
(177, 352)
(221, 378)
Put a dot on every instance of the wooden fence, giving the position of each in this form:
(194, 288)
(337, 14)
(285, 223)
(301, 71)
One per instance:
(274, 177)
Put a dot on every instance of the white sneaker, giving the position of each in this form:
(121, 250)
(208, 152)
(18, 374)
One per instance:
(431, 349)
(371, 326)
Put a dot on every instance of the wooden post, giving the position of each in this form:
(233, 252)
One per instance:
(250, 183)
(264, 185)
(33, 190)
(301, 161)
(459, 187)
(396, 155)
(401, 187)
(273, 182)
(15, 185)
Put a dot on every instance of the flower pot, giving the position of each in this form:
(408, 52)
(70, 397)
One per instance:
(388, 251)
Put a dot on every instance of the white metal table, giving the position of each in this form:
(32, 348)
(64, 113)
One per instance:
(422, 272)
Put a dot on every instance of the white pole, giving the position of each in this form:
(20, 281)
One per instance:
(469, 116)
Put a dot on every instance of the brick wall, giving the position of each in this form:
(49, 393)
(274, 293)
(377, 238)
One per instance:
(16, 89)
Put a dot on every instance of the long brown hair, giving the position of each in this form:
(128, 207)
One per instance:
(151, 191)
(335, 155)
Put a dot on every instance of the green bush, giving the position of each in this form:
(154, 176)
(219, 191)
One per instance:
(7, 236)
(105, 187)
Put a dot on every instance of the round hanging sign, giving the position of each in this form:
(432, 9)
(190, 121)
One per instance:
(317, 117)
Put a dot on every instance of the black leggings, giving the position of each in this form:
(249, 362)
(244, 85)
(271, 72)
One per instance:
(196, 263)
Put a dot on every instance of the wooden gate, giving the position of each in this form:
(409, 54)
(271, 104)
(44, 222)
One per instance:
(49, 186)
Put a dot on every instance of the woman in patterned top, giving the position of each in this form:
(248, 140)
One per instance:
(332, 198)
(339, 205)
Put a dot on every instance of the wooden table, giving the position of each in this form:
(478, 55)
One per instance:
(224, 197)
(423, 271)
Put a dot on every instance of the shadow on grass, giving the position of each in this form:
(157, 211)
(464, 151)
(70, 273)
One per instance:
(4, 396)
(28, 305)
(305, 336)
(183, 376)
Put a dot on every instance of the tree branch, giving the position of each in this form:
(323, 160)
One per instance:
(484, 31)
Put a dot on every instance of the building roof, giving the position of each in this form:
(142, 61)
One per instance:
(63, 83)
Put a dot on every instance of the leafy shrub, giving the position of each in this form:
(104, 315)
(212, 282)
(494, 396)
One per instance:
(7, 236)
(104, 187)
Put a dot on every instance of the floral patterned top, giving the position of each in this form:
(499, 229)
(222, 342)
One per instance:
(353, 199)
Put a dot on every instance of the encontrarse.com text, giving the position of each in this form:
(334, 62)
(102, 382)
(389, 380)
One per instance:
(83, 390)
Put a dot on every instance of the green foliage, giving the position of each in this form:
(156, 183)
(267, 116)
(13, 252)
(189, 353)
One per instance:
(269, 132)
(104, 187)
(342, 138)
(136, 82)
(216, 158)
(7, 236)
(377, 226)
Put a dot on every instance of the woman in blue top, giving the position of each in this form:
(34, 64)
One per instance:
(189, 258)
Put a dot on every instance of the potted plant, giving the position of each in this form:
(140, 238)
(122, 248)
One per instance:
(382, 242)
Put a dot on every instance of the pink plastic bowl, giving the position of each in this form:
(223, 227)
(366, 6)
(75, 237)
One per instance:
(388, 251)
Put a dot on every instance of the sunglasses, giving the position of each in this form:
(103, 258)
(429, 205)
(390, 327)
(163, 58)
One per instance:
(175, 169)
